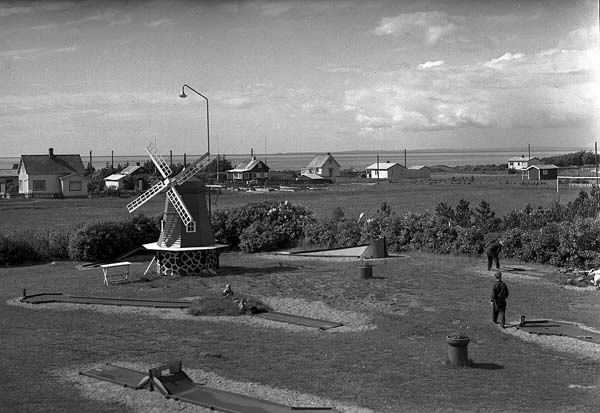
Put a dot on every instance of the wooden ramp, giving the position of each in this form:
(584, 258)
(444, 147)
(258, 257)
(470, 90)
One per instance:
(174, 383)
(299, 320)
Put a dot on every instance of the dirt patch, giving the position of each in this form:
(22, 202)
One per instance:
(352, 321)
(580, 348)
(146, 401)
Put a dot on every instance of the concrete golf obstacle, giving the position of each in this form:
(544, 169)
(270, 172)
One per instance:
(45, 298)
(173, 383)
(558, 328)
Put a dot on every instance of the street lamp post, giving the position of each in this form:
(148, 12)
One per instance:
(183, 95)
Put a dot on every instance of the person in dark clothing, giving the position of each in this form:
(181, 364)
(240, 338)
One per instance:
(499, 296)
(493, 253)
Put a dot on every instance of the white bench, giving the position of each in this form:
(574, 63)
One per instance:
(115, 272)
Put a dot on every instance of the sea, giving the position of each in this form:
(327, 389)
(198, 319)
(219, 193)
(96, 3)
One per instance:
(358, 160)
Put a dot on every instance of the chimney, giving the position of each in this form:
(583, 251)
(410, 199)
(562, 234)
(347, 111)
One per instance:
(328, 153)
(137, 164)
(51, 152)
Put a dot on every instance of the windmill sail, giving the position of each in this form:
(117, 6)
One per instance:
(192, 170)
(179, 206)
(158, 160)
(142, 199)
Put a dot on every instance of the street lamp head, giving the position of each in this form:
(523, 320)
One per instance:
(182, 95)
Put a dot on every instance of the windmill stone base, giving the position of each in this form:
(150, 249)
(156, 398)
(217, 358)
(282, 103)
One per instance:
(187, 262)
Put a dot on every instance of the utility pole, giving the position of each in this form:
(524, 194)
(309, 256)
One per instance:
(377, 169)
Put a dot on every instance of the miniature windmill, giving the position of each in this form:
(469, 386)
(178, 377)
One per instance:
(186, 244)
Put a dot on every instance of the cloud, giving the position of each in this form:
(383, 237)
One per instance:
(551, 88)
(159, 22)
(506, 57)
(339, 69)
(581, 38)
(427, 26)
(430, 64)
(34, 53)
(10, 10)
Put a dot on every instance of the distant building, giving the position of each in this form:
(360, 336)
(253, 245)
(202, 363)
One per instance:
(47, 175)
(252, 170)
(9, 182)
(540, 172)
(117, 181)
(323, 165)
(385, 170)
(518, 163)
(417, 171)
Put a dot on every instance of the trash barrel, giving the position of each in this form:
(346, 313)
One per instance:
(365, 271)
(458, 354)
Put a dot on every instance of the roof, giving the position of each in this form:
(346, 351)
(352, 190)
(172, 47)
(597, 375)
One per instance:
(114, 177)
(383, 165)
(545, 166)
(313, 177)
(71, 176)
(417, 167)
(6, 173)
(319, 160)
(247, 166)
(56, 164)
(131, 169)
(521, 159)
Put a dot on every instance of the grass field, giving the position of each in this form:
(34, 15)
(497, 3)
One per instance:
(398, 366)
(504, 193)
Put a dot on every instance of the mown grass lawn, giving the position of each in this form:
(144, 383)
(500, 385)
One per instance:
(399, 366)
(504, 193)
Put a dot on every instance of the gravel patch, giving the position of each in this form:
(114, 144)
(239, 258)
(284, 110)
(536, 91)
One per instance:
(146, 401)
(352, 321)
(580, 348)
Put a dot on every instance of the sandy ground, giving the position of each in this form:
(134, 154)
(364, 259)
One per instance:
(146, 401)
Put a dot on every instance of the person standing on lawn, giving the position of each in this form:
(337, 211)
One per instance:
(499, 296)
(493, 253)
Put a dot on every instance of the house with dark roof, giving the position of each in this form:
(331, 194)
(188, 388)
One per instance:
(540, 172)
(51, 174)
(248, 171)
(323, 165)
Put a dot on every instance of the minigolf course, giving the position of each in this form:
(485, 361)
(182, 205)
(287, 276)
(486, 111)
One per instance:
(173, 383)
(559, 328)
(45, 298)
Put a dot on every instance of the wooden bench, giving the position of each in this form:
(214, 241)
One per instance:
(115, 272)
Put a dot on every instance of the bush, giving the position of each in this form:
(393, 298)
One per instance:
(110, 239)
(261, 226)
(19, 248)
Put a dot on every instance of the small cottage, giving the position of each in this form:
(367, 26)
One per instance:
(52, 174)
(323, 165)
(417, 171)
(541, 172)
(385, 170)
(117, 181)
(9, 182)
(252, 170)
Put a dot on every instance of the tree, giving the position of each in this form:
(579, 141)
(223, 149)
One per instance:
(463, 213)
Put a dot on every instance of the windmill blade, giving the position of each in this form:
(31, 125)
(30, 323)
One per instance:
(158, 160)
(142, 199)
(179, 206)
(192, 170)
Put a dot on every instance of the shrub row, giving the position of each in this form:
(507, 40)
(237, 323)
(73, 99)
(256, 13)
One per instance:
(560, 235)
(90, 242)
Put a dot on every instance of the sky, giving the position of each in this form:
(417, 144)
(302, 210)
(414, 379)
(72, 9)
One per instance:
(297, 76)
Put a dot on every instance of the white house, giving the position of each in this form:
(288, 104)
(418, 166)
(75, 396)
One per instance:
(517, 163)
(46, 175)
(323, 165)
(116, 181)
(385, 170)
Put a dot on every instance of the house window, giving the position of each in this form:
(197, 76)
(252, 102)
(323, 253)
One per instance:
(75, 186)
(191, 227)
(246, 175)
(544, 172)
(39, 185)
